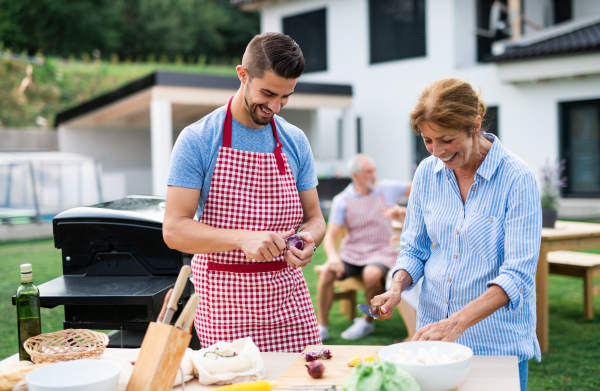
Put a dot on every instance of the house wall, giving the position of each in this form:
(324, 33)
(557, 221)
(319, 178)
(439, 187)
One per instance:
(29, 139)
(585, 8)
(124, 155)
(385, 93)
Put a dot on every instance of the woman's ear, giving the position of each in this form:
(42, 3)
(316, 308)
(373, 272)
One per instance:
(477, 126)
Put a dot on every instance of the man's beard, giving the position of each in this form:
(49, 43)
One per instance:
(253, 111)
(371, 185)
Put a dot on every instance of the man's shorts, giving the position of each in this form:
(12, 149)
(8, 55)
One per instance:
(353, 270)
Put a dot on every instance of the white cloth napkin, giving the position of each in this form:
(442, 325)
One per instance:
(225, 363)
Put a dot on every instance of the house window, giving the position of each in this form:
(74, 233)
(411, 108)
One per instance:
(309, 30)
(580, 147)
(490, 121)
(490, 125)
(563, 10)
(486, 34)
(397, 29)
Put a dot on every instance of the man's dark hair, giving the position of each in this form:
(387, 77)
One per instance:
(273, 52)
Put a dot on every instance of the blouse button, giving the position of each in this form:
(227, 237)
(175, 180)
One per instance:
(457, 232)
(474, 188)
(455, 256)
(449, 279)
(520, 290)
(490, 219)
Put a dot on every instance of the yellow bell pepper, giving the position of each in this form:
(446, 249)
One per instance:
(354, 361)
(260, 385)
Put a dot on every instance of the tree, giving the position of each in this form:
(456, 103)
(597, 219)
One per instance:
(60, 27)
(131, 28)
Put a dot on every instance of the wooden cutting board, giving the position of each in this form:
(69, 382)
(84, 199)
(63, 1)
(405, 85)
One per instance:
(336, 369)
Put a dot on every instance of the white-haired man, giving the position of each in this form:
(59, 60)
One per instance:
(364, 208)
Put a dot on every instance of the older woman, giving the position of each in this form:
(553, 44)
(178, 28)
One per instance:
(472, 232)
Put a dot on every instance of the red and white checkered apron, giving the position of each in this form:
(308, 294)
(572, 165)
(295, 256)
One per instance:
(369, 231)
(267, 301)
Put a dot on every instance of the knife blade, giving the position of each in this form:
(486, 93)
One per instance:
(372, 310)
(177, 290)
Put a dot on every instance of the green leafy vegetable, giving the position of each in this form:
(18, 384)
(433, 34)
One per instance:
(380, 376)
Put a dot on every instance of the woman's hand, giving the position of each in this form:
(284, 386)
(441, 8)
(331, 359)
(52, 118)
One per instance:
(451, 329)
(448, 330)
(387, 302)
(390, 299)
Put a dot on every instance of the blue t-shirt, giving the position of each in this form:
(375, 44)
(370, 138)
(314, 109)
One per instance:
(392, 191)
(194, 155)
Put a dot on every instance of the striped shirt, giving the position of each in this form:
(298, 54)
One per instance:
(462, 249)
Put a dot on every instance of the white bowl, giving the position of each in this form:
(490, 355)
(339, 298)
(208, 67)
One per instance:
(432, 377)
(77, 375)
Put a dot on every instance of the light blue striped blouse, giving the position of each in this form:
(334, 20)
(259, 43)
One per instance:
(462, 249)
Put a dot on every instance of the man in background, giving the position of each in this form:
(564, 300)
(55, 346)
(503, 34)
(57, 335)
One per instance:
(364, 209)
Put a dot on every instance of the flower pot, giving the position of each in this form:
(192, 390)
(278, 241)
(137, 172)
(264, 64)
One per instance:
(549, 218)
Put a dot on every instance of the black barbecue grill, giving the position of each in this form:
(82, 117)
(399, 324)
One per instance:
(117, 268)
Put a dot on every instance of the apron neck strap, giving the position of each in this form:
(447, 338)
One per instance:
(227, 137)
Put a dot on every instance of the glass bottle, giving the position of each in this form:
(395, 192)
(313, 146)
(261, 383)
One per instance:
(28, 309)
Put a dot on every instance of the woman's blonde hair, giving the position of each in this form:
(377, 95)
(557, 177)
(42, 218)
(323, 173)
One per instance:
(450, 103)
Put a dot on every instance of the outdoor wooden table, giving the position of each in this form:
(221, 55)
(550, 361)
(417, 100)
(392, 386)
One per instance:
(487, 373)
(565, 236)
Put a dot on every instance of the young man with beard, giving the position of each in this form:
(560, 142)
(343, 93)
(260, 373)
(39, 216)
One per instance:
(241, 181)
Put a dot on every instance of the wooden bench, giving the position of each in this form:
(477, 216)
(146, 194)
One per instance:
(582, 265)
(345, 292)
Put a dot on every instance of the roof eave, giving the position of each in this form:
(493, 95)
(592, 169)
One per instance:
(187, 80)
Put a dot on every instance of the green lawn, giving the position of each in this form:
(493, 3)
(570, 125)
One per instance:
(573, 362)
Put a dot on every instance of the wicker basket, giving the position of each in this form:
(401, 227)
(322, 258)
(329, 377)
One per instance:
(66, 345)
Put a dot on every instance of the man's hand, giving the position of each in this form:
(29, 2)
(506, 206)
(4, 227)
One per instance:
(336, 266)
(395, 212)
(264, 245)
(300, 258)
(448, 330)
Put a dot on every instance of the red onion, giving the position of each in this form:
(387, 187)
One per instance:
(315, 369)
(294, 241)
(317, 354)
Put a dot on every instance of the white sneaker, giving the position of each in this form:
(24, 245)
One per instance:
(359, 329)
(324, 332)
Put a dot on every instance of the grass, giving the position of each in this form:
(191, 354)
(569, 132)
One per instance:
(572, 363)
